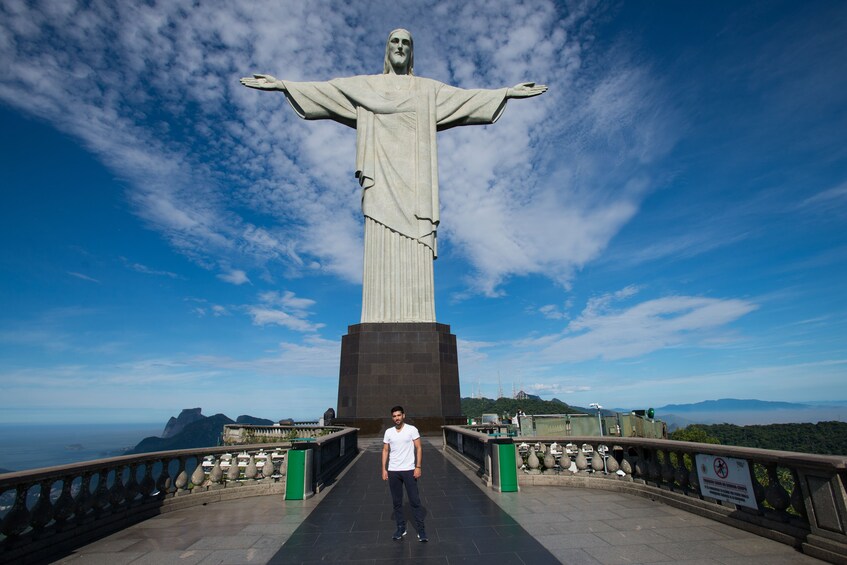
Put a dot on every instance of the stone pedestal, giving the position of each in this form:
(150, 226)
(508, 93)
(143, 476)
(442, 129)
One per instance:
(414, 365)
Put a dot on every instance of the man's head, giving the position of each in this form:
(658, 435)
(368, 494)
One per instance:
(398, 416)
(399, 53)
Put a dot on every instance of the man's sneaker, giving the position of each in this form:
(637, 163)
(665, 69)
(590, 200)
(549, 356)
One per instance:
(422, 535)
(398, 535)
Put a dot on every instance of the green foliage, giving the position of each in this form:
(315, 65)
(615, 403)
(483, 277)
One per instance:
(476, 407)
(823, 438)
(694, 433)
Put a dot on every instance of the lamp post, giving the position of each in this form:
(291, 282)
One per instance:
(599, 420)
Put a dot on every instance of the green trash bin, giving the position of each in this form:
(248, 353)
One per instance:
(504, 467)
(298, 474)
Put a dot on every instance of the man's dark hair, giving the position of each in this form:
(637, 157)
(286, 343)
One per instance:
(398, 409)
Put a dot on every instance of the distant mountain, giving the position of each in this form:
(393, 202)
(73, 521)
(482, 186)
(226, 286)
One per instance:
(725, 404)
(253, 421)
(191, 429)
(744, 412)
(176, 425)
(202, 433)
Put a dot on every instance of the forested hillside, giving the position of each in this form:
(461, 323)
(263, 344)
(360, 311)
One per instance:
(476, 407)
(825, 438)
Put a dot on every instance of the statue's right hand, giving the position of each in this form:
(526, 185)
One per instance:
(263, 82)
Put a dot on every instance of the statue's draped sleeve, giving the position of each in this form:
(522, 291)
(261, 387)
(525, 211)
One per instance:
(396, 157)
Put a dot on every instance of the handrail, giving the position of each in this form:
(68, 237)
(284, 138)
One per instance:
(44, 510)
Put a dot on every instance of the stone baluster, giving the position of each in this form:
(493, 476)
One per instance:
(101, 493)
(84, 499)
(597, 460)
(668, 472)
(693, 476)
(17, 519)
(532, 462)
(758, 489)
(118, 493)
(42, 512)
(268, 468)
(681, 473)
(797, 501)
(148, 485)
(233, 472)
(775, 494)
(626, 464)
(654, 469)
(64, 507)
(163, 482)
(639, 463)
(181, 482)
(581, 460)
(251, 470)
(549, 462)
(612, 466)
(131, 487)
(198, 477)
(216, 475)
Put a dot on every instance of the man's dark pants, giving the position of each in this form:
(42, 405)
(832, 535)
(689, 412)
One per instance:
(396, 480)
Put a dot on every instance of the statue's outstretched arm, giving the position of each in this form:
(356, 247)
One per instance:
(263, 82)
(525, 90)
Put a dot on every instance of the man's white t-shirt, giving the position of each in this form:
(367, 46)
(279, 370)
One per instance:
(401, 455)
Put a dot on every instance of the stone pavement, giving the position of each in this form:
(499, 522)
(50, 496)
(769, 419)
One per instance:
(351, 522)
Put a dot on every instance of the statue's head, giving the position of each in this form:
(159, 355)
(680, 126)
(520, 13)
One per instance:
(399, 53)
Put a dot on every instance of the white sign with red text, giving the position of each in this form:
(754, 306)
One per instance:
(726, 479)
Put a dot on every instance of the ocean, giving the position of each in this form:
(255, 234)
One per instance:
(24, 447)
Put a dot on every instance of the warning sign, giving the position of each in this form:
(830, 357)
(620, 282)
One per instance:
(726, 479)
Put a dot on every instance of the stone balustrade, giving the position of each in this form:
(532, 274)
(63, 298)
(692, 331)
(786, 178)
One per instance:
(237, 434)
(800, 498)
(43, 511)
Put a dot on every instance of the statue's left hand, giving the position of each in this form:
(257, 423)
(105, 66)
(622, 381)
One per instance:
(526, 89)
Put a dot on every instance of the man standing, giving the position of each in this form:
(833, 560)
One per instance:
(401, 465)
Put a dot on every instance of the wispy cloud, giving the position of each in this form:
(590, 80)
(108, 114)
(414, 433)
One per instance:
(285, 310)
(609, 333)
(138, 267)
(83, 277)
(836, 194)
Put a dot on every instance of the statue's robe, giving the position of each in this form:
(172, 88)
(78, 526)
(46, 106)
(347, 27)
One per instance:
(396, 119)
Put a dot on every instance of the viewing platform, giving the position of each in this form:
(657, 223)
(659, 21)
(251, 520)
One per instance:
(350, 521)
(558, 517)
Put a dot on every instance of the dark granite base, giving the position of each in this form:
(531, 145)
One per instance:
(370, 427)
(414, 365)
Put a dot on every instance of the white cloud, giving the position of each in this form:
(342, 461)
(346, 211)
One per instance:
(285, 310)
(157, 99)
(234, 276)
(609, 334)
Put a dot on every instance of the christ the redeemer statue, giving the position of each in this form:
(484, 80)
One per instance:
(396, 116)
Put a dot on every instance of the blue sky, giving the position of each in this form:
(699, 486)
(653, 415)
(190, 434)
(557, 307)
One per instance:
(665, 225)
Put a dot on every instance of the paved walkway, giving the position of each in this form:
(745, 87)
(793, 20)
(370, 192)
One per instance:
(351, 523)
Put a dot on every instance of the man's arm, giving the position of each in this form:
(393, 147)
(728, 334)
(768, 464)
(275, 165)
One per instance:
(385, 449)
(418, 453)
